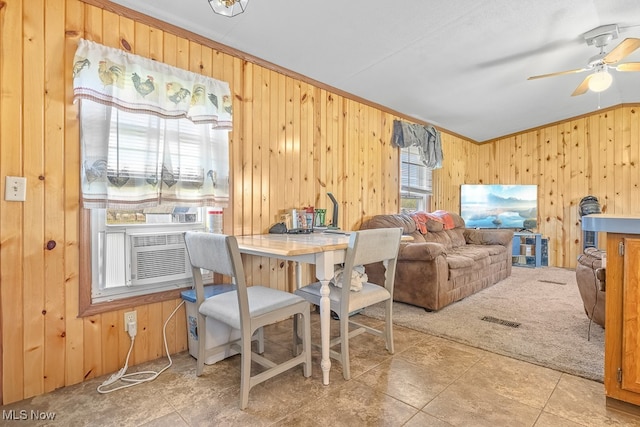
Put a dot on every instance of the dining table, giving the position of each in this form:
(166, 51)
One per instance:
(322, 249)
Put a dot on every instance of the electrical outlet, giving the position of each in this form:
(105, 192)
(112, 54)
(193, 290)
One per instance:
(130, 317)
(15, 188)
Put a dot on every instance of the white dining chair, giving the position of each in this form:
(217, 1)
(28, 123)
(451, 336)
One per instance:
(365, 247)
(246, 309)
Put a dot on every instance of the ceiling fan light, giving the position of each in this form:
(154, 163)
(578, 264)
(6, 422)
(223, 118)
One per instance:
(600, 81)
(228, 7)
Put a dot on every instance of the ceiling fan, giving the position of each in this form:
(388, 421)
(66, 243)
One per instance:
(600, 79)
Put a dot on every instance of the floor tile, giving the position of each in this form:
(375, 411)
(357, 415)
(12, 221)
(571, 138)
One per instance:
(584, 402)
(429, 381)
(465, 404)
(442, 357)
(412, 384)
(425, 420)
(354, 404)
(527, 383)
(549, 420)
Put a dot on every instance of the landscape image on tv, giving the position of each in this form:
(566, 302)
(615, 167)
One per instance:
(499, 206)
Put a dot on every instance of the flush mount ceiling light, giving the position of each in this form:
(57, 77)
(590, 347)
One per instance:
(228, 7)
(600, 80)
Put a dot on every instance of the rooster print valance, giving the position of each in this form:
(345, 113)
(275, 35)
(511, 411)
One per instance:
(133, 83)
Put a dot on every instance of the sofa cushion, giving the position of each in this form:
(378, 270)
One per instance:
(463, 259)
(447, 218)
(456, 261)
(450, 219)
(457, 237)
(426, 222)
(458, 222)
(474, 252)
(490, 249)
(441, 237)
(488, 236)
(403, 221)
(434, 226)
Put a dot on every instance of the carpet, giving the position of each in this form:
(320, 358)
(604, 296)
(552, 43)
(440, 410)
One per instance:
(553, 330)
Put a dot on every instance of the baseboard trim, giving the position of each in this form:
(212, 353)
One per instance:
(621, 406)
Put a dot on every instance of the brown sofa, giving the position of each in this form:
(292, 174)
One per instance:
(591, 283)
(447, 263)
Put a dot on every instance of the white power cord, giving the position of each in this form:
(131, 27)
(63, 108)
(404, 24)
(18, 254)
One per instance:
(129, 379)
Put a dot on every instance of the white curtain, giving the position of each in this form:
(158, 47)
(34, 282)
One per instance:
(151, 134)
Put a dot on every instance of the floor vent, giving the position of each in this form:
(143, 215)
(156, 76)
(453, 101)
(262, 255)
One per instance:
(551, 281)
(501, 322)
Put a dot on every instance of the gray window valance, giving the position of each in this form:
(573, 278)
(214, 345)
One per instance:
(426, 138)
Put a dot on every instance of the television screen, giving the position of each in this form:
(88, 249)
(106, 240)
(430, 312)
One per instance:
(499, 206)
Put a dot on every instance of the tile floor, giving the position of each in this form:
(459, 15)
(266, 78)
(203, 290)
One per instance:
(429, 381)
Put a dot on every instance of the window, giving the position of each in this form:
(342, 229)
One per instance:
(140, 250)
(415, 181)
(133, 160)
(154, 155)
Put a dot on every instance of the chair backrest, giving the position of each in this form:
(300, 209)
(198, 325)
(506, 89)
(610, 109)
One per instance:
(371, 246)
(218, 253)
(210, 252)
(374, 245)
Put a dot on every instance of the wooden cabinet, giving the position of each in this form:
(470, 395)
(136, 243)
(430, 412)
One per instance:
(622, 322)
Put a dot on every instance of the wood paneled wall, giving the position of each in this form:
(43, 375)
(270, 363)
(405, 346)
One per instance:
(597, 154)
(292, 142)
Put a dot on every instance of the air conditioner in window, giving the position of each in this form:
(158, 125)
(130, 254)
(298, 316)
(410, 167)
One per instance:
(157, 257)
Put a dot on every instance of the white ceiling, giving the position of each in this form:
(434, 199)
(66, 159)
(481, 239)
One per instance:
(460, 65)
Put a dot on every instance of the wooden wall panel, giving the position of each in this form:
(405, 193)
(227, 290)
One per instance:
(596, 155)
(33, 223)
(549, 218)
(53, 174)
(72, 333)
(11, 213)
(292, 142)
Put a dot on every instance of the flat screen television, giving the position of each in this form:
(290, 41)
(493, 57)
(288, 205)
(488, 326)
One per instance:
(499, 206)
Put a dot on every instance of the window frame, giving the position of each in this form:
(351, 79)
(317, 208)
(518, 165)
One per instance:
(421, 192)
(87, 305)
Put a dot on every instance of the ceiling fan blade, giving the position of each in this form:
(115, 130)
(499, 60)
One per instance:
(559, 73)
(621, 51)
(629, 66)
(582, 87)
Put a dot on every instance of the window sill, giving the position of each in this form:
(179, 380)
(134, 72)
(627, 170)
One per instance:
(87, 308)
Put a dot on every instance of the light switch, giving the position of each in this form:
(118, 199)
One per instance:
(15, 188)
